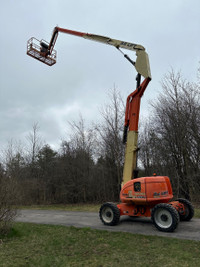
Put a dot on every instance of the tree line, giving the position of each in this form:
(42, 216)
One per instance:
(170, 140)
(88, 166)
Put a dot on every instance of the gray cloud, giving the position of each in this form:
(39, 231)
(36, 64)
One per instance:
(33, 92)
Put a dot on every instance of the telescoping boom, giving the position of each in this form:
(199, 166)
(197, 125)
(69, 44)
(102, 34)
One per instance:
(43, 51)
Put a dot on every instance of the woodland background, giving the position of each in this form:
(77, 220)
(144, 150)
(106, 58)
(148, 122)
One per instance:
(88, 166)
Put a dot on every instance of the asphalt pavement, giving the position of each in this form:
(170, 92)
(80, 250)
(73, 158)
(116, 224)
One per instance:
(185, 230)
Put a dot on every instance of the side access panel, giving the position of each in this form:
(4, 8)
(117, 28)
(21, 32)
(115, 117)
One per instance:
(158, 189)
(134, 191)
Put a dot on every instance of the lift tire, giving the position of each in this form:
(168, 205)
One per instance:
(109, 214)
(189, 210)
(165, 217)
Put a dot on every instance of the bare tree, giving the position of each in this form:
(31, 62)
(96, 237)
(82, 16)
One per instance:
(81, 136)
(8, 199)
(33, 182)
(77, 161)
(110, 133)
(10, 171)
(47, 173)
(170, 143)
(35, 143)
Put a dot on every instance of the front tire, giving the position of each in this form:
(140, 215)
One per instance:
(189, 210)
(109, 214)
(165, 217)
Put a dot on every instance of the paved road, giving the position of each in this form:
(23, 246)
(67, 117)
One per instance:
(185, 230)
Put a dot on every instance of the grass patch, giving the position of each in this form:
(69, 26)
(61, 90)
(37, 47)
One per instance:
(49, 245)
(197, 210)
(196, 213)
(67, 207)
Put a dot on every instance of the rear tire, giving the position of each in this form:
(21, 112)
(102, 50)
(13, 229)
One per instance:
(165, 217)
(109, 214)
(189, 210)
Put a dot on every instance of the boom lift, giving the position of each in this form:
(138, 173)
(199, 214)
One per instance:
(145, 196)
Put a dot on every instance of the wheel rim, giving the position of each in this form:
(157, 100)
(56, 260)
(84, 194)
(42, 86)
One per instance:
(107, 214)
(163, 218)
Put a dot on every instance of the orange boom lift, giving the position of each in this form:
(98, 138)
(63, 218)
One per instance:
(145, 196)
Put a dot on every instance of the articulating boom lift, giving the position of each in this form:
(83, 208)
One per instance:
(145, 196)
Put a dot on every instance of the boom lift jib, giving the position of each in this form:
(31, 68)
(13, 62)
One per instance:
(43, 51)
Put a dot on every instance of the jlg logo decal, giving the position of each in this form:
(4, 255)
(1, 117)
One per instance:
(128, 44)
(158, 194)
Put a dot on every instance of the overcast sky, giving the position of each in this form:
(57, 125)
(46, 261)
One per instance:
(31, 91)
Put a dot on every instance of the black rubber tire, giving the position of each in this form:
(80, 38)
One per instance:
(165, 217)
(109, 214)
(189, 210)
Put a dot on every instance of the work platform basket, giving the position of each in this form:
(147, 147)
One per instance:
(36, 49)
